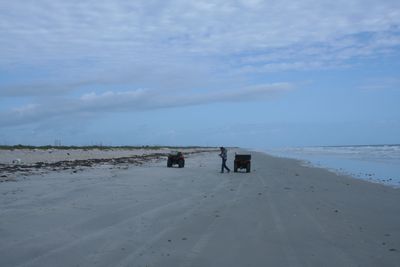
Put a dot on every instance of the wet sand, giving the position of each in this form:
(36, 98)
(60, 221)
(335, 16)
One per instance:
(280, 214)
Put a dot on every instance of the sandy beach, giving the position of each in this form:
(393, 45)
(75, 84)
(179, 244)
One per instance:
(128, 214)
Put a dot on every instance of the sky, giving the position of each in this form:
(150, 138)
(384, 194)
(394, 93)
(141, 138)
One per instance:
(249, 73)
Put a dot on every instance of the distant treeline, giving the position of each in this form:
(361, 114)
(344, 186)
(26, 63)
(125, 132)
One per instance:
(5, 147)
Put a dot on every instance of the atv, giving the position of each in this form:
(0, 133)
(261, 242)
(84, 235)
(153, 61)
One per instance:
(176, 159)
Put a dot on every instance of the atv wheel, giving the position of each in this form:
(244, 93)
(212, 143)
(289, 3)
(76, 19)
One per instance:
(181, 163)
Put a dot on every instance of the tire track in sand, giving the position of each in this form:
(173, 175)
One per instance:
(210, 230)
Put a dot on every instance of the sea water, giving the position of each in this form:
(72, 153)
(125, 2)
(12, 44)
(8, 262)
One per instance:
(375, 163)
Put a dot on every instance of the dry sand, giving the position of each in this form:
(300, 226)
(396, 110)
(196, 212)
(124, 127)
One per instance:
(280, 214)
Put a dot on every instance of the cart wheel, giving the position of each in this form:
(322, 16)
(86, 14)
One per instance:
(248, 167)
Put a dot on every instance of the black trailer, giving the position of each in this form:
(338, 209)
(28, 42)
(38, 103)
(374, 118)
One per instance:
(242, 161)
(176, 159)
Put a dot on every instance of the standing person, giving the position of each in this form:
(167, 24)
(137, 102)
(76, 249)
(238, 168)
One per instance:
(224, 157)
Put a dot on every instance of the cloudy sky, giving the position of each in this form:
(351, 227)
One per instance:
(247, 73)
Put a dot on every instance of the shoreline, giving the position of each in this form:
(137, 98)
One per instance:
(385, 173)
(338, 171)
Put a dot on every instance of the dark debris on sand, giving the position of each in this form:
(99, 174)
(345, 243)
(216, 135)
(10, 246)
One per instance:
(7, 170)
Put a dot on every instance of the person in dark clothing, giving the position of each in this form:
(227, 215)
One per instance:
(224, 157)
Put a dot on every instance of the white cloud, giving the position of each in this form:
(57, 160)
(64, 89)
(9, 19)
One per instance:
(134, 100)
(21, 111)
(106, 96)
(117, 31)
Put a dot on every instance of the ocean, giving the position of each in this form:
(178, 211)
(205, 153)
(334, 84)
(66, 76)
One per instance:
(375, 163)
